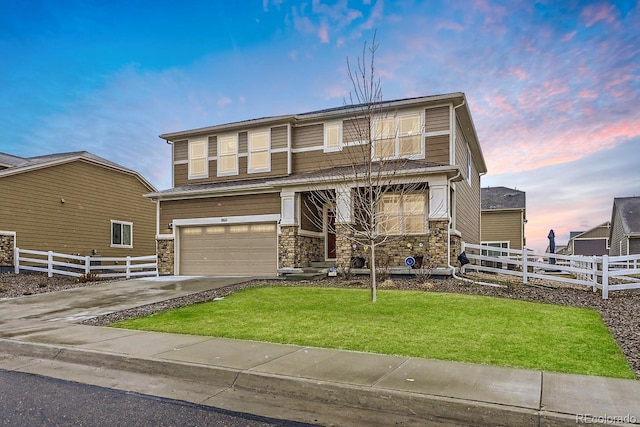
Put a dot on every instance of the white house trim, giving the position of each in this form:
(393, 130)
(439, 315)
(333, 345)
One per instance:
(226, 220)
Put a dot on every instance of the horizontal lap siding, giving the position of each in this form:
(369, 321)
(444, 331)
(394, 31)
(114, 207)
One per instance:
(504, 226)
(315, 160)
(467, 195)
(181, 150)
(278, 168)
(437, 119)
(599, 232)
(308, 136)
(279, 137)
(94, 195)
(259, 204)
(356, 130)
(437, 149)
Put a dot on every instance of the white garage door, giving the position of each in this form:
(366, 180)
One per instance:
(229, 250)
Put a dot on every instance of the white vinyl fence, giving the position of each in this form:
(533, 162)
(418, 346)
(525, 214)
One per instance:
(598, 272)
(73, 265)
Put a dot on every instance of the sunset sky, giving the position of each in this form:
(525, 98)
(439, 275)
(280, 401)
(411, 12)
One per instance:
(553, 87)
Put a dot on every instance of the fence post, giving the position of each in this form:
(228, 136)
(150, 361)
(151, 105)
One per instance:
(87, 265)
(594, 274)
(605, 276)
(50, 264)
(16, 261)
(525, 266)
(128, 267)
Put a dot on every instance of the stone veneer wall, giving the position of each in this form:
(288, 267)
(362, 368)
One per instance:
(393, 253)
(295, 250)
(165, 250)
(7, 250)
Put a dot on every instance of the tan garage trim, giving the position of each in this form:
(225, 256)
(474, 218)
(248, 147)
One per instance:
(228, 250)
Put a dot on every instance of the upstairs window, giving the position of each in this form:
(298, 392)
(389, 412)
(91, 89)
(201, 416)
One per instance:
(198, 164)
(121, 234)
(227, 155)
(403, 214)
(259, 152)
(398, 136)
(332, 137)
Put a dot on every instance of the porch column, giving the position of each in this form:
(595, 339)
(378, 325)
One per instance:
(439, 212)
(343, 204)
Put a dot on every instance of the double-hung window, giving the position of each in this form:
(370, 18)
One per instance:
(398, 136)
(332, 136)
(403, 213)
(227, 155)
(198, 164)
(121, 234)
(259, 152)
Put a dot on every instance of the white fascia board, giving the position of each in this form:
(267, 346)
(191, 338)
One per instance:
(222, 220)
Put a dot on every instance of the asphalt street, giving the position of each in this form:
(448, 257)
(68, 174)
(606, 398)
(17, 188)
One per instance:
(32, 400)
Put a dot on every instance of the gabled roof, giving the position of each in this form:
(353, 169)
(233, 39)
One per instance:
(22, 165)
(580, 234)
(495, 198)
(629, 214)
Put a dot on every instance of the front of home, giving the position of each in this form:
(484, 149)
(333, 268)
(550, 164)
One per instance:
(245, 197)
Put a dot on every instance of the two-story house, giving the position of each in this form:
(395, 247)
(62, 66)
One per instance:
(239, 202)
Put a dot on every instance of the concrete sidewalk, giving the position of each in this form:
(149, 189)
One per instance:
(39, 335)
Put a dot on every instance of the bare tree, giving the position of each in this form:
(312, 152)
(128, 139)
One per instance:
(368, 172)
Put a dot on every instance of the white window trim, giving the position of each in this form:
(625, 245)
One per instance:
(219, 155)
(250, 168)
(115, 245)
(204, 141)
(426, 218)
(325, 145)
(396, 149)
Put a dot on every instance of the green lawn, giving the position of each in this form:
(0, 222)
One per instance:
(464, 328)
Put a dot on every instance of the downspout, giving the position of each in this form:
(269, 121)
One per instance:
(451, 267)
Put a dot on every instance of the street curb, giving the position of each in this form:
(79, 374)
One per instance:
(371, 404)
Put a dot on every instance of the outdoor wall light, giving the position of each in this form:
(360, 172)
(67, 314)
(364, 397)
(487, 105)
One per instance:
(62, 201)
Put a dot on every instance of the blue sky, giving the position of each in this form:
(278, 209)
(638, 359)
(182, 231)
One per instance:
(553, 87)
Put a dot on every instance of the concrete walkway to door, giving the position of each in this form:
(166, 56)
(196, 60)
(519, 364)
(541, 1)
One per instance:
(40, 335)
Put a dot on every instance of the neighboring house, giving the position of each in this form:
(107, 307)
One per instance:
(625, 226)
(594, 241)
(74, 203)
(504, 215)
(238, 202)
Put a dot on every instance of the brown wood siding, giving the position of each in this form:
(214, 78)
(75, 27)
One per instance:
(502, 226)
(308, 136)
(93, 196)
(181, 150)
(243, 145)
(467, 194)
(278, 168)
(437, 119)
(437, 149)
(279, 137)
(258, 204)
(356, 130)
(315, 160)
(310, 218)
(213, 146)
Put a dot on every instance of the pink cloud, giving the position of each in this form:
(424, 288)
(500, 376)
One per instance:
(449, 25)
(595, 13)
(587, 94)
(323, 33)
(568, 37)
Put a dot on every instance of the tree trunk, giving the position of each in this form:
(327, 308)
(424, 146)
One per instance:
(372, 268)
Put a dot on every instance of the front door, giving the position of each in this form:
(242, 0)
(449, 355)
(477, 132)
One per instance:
(331, 235)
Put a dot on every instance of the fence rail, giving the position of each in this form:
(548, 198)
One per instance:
(598, 272)
(74, 265)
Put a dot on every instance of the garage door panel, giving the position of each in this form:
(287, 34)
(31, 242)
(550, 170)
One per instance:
(236, 249)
